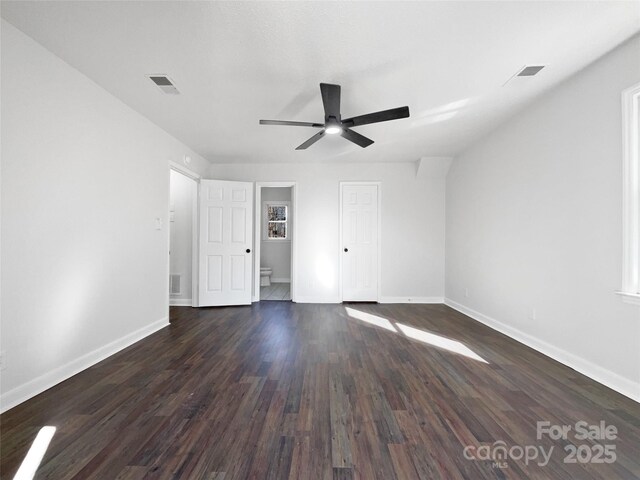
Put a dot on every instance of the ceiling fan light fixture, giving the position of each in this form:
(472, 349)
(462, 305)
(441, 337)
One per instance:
(333, 123)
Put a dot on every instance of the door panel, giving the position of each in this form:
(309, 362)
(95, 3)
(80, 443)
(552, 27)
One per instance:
(238, 276)
(238, 225)
(215, 224)
(360, 239)
(226, 225)
(214, 273)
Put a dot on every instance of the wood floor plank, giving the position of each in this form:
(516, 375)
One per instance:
(280, 390)
(339, 414)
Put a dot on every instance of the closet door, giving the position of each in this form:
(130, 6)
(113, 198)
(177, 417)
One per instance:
(360, 261)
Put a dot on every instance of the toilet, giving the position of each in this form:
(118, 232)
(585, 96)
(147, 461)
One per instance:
(265, 276)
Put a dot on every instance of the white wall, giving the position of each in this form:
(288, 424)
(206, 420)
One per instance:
(534, 221)
(182, 195)
(413, 218)
(276, 254)
(84, 177)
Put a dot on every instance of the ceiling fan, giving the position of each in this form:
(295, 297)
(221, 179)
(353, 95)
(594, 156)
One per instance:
(333, 122)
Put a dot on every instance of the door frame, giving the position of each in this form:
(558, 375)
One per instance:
(258, 235)
(379, 253)
(195, 250)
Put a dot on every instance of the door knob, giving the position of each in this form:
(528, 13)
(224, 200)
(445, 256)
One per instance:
(248, 250)
(346, 249)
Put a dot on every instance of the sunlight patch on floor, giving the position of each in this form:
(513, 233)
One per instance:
(423, 336)
(440, 342)
(370, 319)
(34, 456)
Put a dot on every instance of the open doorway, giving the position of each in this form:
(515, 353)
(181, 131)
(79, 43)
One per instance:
(183, 193)
(275, 212)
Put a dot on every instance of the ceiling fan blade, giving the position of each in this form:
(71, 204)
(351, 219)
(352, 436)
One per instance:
(291, 124)
(330, 100)
(383, 116)
(311, 141)
(356, 138)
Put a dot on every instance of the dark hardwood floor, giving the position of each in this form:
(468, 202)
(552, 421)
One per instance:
(281, 390)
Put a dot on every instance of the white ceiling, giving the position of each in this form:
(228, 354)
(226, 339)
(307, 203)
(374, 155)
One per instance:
(237, 62)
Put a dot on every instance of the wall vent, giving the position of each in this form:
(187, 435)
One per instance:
(164, 83)
(174, 284)
(530, 70)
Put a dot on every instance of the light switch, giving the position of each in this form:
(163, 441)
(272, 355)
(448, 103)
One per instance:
(158, 223)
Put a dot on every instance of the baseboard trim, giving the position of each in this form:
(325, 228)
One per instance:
(606, 377)
(423, 300)
(280, 280)
(411, 300)
(38, 385)
(180, 302)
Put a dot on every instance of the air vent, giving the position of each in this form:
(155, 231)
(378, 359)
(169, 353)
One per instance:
(174, 284)
(525, 71)
(530, 70)
(164, 84)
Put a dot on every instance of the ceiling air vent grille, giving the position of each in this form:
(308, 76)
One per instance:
(164, 84)
(524, 72)
(530, 70)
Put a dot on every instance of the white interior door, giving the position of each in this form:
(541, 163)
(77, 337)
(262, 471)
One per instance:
(226, 233)
(360, 261)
